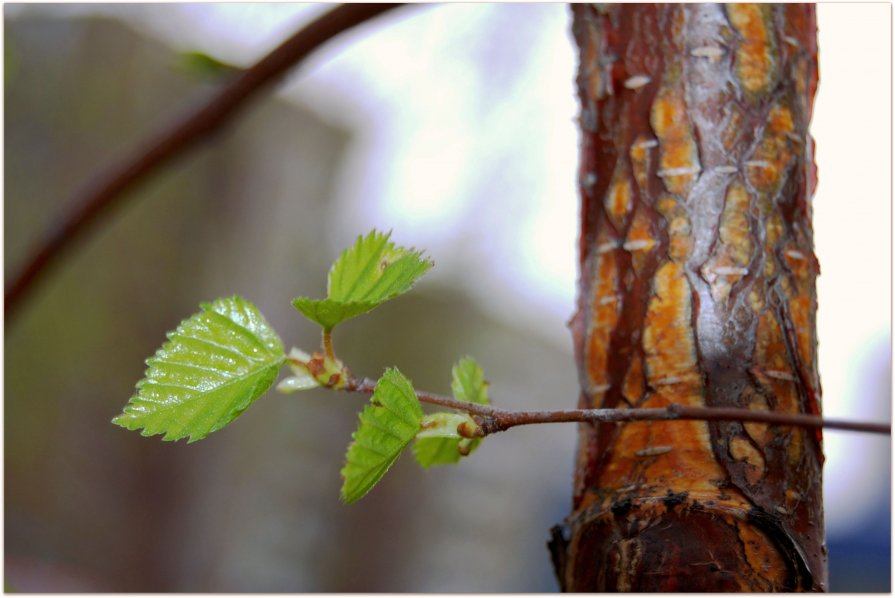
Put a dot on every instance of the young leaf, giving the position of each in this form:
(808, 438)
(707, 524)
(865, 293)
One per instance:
(366, 275)
(439, 443)
(387, 425)
(468, 383)
(209, 371)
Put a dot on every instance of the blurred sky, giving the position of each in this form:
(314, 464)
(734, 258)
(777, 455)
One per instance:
(466, 146)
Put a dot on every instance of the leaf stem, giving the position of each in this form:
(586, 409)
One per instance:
(494, 419)
(328, 351)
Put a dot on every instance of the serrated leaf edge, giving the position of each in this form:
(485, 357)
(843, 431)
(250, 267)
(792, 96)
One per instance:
(381, 244)
(129, 417)
(378, 472)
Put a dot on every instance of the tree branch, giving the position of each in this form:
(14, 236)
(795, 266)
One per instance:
(368, 385)
(497, 420)
(108, 190)
(508, 419)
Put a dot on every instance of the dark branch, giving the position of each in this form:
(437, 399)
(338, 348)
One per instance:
(509, 419)
(367, 386)
(498, 420)
(108, 190)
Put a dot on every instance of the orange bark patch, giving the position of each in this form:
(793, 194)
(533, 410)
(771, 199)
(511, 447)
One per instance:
(678, 156)
(730, 258)
(780, 120)
(741, 449)
(733, 129)
(770, 348)
(680, 241)
(668, 335)
(734, 228)
(792, 499)
(640, 159)
(618, 200)
(640, 240)
(604, 315)
(767, 165)
(772, 367)
(763, 557)
(801, 311)
(795, 449)
(756, 300)
(634, 385)
(799, 262)
(760, 433)
(773, 226)
(641, 451)
(756, 62)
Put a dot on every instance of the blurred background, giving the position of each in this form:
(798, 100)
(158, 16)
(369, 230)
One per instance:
(453, 125)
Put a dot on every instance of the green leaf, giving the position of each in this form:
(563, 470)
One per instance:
(375, 269)
(436, 451)
(329, 313)
(468, 383)
(387, 425)
(366, 275)
(439, 443)
(209, 371)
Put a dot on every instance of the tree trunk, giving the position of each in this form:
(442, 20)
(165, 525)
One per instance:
(697, 287)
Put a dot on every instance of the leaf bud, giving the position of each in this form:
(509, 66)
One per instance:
(469, 429)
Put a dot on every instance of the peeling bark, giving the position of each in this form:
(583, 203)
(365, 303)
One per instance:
(697, 287)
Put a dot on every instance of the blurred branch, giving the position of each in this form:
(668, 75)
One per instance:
(108, 190)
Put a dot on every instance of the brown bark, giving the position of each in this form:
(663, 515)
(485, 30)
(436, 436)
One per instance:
(696, 288)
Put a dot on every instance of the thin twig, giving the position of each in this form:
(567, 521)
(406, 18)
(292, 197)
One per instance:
(106, 191)
(368, 386)
(497, 420)
(509, 419)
